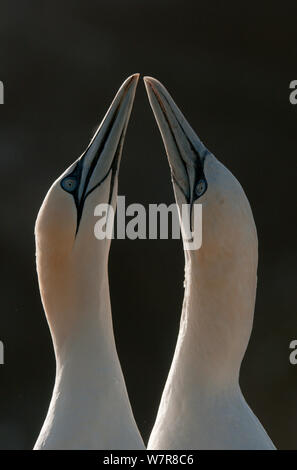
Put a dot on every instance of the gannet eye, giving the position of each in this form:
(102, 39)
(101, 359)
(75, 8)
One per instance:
(69, 183)
(200, 188)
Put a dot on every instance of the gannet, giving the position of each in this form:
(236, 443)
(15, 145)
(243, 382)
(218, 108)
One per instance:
(202, 406)
(90, 408)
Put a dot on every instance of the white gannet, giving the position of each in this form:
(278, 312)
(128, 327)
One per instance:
(202, 406)
(90, 408)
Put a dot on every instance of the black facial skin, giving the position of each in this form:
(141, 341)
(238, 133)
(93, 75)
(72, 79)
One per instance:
(72, 181)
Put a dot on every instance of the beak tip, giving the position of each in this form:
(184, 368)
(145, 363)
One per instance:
(148, 81)
(147, 78)
(149, 86)
(130, 83)
(133, 78)
(153, 85)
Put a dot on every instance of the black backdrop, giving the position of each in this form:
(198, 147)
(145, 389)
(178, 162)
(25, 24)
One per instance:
(228, 65)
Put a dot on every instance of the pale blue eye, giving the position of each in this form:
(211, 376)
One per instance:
(200, 188)
(69, 183)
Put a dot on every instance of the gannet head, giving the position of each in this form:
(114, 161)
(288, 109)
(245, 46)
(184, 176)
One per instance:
(220, 276)
(199, 178)
(69, 257)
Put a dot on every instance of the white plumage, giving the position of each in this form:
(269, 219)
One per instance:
(202, 406)
(90, 408)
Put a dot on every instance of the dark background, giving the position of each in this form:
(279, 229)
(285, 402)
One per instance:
(228, 65)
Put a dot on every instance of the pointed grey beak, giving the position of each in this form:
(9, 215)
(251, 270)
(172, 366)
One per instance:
(185, 151)
(103, 154)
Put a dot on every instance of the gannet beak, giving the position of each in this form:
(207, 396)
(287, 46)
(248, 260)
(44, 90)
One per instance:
(185, 151)
(103, 154)
(104, 151)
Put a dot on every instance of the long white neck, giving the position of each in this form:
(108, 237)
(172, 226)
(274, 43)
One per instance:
(90, 408)
(216, 321)
(202, 406)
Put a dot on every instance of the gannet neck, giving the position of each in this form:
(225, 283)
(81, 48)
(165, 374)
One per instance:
(217, 318)
(202, 406)
(91, 325)
(90, 408)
